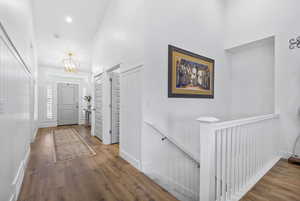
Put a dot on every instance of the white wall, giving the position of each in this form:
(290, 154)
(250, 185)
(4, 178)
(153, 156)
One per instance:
(196, 26)
(252, 79)
(253, 20)
(140, 32)
(16, 94)
(120, 39)
(49, 76)
(17, 19)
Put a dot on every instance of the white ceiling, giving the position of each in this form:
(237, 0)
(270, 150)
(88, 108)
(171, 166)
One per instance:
(77, 37)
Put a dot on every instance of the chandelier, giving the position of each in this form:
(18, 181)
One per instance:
(70, 64)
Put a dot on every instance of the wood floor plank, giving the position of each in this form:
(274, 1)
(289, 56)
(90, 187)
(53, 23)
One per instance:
(281, 183)
(103, 177)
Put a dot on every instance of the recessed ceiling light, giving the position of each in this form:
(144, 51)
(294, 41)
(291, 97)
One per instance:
(69, 19)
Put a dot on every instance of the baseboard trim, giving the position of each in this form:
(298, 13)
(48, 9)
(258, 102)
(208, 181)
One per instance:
(18, 180)
(132, 160)
(176, 189)
(256, 178)
(285, 154)
(47, 124)
(12, 197)
(34, 135)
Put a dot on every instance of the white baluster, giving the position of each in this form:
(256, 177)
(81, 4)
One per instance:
(218, 164)
(223, 166)
(234, 159)
(229, 163)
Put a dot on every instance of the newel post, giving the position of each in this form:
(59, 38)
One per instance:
(207, 158)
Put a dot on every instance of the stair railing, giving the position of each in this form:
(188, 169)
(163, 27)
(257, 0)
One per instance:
(165, 137)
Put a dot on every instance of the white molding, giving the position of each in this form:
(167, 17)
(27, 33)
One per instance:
(26, 159)
(12, 197)
(132, 160)
(44, 66)
(255, 179)
(232, 46)
(285, 154)
(131, 69)
(46, 124)
(112, 68)
(34, 134)
(18, 180)
(179, 191)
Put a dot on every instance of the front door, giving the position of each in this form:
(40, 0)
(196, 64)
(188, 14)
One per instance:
(67, 104)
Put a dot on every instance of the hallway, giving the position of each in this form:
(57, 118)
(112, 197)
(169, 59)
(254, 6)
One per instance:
(137, 101)
(104, 176)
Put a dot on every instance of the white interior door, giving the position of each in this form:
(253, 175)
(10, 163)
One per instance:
(115, 107)
(67, 104)
(98, 106)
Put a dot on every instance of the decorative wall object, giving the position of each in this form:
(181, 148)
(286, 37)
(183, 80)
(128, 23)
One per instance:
(294, 43)
(190, 75)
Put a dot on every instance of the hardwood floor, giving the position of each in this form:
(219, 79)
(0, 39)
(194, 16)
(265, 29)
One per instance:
(104, 177)
(107, 177)
(281, 183)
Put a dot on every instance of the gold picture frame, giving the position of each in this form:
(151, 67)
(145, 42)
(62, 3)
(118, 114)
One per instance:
(190, 75)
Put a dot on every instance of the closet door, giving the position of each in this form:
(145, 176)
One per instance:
(99, 107)
(115, 107)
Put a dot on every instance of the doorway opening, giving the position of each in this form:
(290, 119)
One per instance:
(114, 106)
(67, 104)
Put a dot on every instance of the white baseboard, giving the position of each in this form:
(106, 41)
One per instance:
(179, 191)
(133, 161)
(256, 178)
(34, 135)
(47, 124)
(12, 198)
(285, 154)
(17, 183)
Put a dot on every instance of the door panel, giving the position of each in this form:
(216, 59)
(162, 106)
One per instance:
(99, 107)
(67, 104)
(115, 107)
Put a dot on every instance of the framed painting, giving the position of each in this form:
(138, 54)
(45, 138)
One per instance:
(190, 75)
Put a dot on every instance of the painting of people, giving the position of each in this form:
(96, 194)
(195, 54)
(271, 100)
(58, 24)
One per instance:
(190, 75)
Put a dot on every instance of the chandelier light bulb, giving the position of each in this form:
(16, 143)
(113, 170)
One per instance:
(70, 64)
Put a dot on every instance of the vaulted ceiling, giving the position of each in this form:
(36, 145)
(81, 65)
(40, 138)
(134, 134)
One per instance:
(56, 37)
